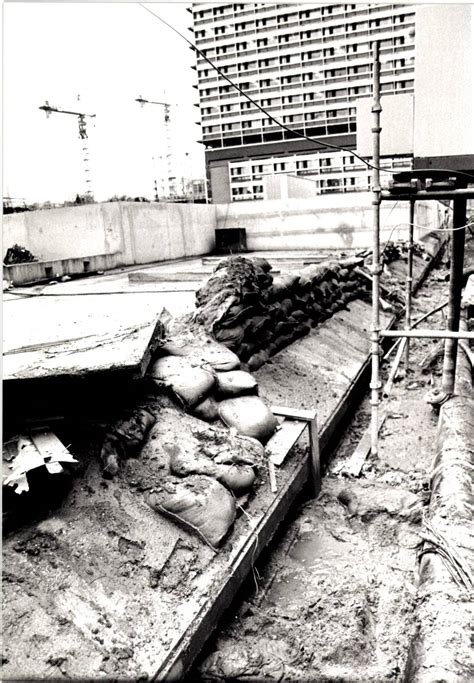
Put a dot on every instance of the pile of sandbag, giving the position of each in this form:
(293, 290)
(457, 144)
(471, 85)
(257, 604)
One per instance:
(256, 315)
(199, 434)
(206, 380)
(206, 473)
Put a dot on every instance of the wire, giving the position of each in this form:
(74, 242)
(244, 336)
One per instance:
(278, 123)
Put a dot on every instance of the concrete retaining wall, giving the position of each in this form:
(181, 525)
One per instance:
(322, 222)
(136, 232)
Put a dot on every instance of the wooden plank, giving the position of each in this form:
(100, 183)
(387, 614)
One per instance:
(283, 441)
(294, 413)
(355, 463)
(315, 464)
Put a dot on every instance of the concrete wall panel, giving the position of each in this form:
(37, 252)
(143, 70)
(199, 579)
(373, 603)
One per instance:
(135, 232)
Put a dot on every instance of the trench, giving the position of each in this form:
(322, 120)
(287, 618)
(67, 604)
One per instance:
(331, 598)
(334, 596)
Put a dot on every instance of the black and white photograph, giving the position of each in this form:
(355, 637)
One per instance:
(238, 342)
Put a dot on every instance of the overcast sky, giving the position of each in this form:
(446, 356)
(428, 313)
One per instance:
(108, 54)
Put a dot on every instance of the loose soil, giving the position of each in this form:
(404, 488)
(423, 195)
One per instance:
(334, 597)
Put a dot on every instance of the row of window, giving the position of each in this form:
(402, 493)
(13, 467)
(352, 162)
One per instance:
(326, 10)
(325, 31)
(315, 162)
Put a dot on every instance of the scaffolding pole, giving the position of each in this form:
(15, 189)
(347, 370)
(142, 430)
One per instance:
(455, 290)
(375, 384)
(409, 282)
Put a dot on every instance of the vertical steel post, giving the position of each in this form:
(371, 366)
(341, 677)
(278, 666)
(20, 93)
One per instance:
(375, 384)
(409, 282)
(455, 290)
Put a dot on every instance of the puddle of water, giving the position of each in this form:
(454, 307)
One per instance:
(317, 545)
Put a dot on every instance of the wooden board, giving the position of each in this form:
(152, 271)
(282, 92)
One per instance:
(284, 439)
(75, 336)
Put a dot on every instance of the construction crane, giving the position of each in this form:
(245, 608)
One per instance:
(81, 120)
(170, 178)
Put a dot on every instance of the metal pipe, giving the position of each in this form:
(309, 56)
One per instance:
(455, 293)
(375, 384)
(427, 334)
(409, 283)
(467, 193)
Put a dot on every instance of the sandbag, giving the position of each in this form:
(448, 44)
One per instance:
(237, 313)
(189, 383)
(200, 503)
(132, 430)
(235, 383)
(257, 360)
(207, 410)
(231, 337)
(237, 477)
(217, 356)
(250, 416)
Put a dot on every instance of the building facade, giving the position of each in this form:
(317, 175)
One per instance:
(307, 65)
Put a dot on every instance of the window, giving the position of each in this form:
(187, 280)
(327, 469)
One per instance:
(288, 119)
(237, 8)
(281, 166)
(226, 126)
(224, 89)
(305, 15)
(200, 34)
(308, 55)
(206, 110)
(266, 103)
(399, 40)
(221, 50)
(329, 52)
(309, 97)
(257, 169)
(307, 76)
(262, 42)
(241, 46)
(328, 31)
(245, 105)
(263, 62)
(265, 83)
(302, 164)
(246, 124)
(290, 79)
(312, 116)
(285, 59)
(259, 23)
(284, 39)
(241, 26)
(219, 30)
(225, 107)
(287, 99)
(258, 188)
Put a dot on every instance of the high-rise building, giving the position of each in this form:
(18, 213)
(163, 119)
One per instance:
(307, 65)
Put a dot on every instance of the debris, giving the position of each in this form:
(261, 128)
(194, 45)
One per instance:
(41, 449)
(18, 254)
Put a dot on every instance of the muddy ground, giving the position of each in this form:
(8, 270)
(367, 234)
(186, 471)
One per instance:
(334, 597)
